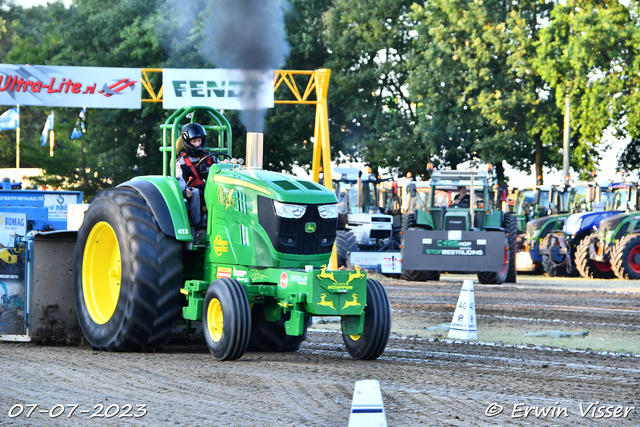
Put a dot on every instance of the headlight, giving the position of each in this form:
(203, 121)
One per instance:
(289, 211)
(328, 211)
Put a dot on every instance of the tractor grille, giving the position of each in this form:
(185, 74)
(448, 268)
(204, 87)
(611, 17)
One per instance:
(455, 223)
(288, 236)
(380, 234)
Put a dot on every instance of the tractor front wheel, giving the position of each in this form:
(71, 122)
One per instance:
(588, 268)
(498, 277)
(127, 274)
(414, 275)
(226, 319)
(377, 325)
(511, 225)
(625, 259)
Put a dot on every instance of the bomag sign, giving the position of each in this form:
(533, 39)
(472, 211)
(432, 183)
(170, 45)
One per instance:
(222, 89)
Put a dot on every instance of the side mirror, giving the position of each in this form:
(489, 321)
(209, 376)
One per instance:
(412, 190)
(590, 196)
(536, 197)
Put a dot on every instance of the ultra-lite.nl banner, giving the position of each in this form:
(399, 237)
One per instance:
(52, 86)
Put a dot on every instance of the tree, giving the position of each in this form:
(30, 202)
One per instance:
(583, 54)
(370, 106)
(477, 92)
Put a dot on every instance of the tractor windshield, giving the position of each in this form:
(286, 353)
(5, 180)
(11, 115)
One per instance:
(418, 202)
(577, 200)
(525, 201)
(455, 197)
(353, 201)
(620, 200)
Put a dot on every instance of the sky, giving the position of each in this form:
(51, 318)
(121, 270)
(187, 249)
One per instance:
(606, 170)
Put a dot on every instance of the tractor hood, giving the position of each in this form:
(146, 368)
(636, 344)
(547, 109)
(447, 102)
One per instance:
(612, 222)
(276, 186)
(585, 220)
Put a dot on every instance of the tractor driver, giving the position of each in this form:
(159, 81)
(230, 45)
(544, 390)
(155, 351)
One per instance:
(462, 199)
(192, 168)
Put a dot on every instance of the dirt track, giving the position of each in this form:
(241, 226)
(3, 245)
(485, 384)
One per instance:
(423, 382)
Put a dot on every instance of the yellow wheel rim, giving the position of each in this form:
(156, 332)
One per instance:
(355, 337)
(101, 273)
(214, 319)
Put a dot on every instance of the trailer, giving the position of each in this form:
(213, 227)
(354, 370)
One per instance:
(36, 265)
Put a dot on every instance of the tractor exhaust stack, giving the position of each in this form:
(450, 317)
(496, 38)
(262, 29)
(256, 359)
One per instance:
(254, 150)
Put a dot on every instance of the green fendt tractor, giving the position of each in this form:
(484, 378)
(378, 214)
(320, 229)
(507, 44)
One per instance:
(452, 235)
(254, 276)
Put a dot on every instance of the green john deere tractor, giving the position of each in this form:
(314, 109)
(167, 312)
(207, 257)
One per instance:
(253, 277)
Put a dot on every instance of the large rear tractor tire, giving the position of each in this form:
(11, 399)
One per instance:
(415, 275)
(226, 319)
(625, 257)
(589, 268)
(377, 325)
(127, 275)
(408, 221)
(271, 336)
(345, 244)
(511, 225)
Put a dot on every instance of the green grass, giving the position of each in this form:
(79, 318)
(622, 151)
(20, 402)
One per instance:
(617, 341)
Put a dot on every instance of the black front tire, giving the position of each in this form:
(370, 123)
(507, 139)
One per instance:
(497, 277)
(415, 275)
(589, 268)
(345, 244)
(271, 336)
(146, 301)
(511, 225)
(226, 319)
(624, 258)
(377, 325)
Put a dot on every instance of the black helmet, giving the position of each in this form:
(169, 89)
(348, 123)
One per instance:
(189, 132)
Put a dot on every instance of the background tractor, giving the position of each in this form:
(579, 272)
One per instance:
(616, 243)
(452, 236)
(254, 279)
(563, 201)
(366, 237)
(573, 241)
(529, 203)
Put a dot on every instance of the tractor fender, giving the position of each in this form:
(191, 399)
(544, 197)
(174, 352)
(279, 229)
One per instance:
(166, 202)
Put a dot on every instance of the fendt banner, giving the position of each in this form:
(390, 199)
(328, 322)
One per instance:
(52, 86)
(218, 88)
